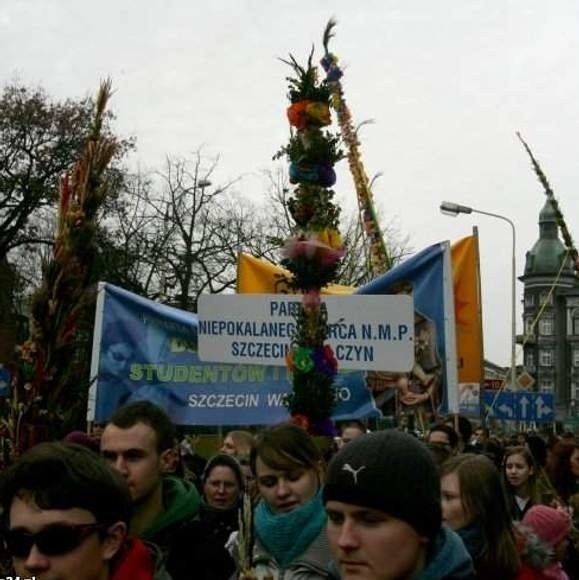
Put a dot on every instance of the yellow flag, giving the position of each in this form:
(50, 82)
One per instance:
(465, 277)
(257, 276)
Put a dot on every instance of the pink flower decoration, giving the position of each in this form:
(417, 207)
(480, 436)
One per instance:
(313, 249)
(311, 299)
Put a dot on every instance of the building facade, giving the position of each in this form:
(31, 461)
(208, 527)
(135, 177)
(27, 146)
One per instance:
(551, 316)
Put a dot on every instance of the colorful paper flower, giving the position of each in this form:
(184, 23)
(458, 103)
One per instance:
(301, 421)
(303, 361)
(313, 249)
(318, 114)
(325, 361)
(331, 237)
(296, 114)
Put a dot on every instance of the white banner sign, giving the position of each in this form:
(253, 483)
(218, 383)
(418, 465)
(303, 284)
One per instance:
(366, 332)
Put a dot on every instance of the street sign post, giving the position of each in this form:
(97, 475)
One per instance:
(520, 406)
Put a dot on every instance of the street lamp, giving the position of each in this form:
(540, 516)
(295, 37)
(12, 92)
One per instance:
(453, 209)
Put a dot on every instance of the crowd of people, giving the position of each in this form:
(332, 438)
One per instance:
(130, 503)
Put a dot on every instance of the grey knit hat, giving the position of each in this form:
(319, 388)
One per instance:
(391, 472)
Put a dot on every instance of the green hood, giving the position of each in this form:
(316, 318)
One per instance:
(181, 501)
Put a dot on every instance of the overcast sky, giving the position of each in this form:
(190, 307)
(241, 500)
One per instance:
(448, 84)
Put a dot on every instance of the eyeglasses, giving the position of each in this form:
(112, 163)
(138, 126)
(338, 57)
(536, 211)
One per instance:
(53, 540)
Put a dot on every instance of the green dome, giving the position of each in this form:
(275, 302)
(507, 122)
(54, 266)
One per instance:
(548, 252)
(548, 213)
(545, 257)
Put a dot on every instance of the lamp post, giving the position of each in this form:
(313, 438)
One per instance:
(453, 209)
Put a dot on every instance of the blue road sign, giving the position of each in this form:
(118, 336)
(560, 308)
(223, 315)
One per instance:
(520, 406)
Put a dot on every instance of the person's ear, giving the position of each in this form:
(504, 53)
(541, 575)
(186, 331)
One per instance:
(169, 460)
(114, 539)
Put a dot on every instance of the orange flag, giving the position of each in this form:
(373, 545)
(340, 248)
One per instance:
(465, 278)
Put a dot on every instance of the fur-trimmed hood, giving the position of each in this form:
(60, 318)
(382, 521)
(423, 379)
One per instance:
(532, 549)
(538, 555)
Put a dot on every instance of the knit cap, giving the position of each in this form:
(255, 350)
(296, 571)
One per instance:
(84, 439)
(551, 525)
(391, 472)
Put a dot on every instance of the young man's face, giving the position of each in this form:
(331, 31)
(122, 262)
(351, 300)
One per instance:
(133, 452)
(89, 558)
(371, 545)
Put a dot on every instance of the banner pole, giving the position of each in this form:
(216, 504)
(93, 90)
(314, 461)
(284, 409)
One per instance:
(94, 364)
(482, 410)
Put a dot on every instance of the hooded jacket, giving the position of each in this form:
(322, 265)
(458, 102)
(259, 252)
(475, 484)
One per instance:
(448, 559)
(538, 558)
(172, 531)
(181, 501)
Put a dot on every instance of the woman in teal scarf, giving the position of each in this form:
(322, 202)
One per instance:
(289, 520)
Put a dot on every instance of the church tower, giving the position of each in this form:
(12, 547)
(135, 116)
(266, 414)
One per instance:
(551, 315)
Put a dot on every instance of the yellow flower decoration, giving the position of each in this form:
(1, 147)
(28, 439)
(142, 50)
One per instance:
(331, 237)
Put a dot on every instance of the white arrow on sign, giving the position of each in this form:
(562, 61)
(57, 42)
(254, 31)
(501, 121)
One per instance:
(506, 410)
(524, 405)
(542, 409)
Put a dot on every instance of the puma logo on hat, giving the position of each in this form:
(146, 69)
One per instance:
(347, 467)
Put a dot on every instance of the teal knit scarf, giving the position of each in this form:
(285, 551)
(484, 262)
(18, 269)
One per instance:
(286, 536)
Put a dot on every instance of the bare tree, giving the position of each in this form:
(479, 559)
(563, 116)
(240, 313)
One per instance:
(39, 139)
(176, 234)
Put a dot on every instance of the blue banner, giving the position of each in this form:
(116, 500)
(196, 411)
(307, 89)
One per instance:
(146, 350)
(427, 278)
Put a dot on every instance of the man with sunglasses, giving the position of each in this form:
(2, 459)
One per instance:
(65, 516)
(140, 442)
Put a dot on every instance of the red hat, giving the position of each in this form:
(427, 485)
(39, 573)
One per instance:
(84, 439)
(550, 524)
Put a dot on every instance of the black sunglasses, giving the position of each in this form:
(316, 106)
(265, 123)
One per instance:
(53, 540)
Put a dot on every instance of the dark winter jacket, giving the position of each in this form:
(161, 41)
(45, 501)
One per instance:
(448, 559)
(138, 561)
(175, 530)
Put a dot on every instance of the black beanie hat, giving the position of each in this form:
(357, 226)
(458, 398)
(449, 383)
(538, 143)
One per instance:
(391, 472)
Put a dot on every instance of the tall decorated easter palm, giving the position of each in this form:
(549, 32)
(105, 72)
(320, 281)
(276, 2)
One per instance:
(51, 377)
(314, 251)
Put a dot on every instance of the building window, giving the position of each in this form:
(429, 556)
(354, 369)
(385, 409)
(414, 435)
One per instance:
(546, 326)
(546, 386)
(576, 357)
(546, 298)
(546, 358)
(530, 300)
(575, 324)
(529, 326)
(530, 361)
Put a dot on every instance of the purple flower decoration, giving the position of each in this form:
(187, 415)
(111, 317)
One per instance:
(325, 362)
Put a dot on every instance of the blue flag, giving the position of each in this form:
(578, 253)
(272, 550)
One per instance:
(432, 384)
